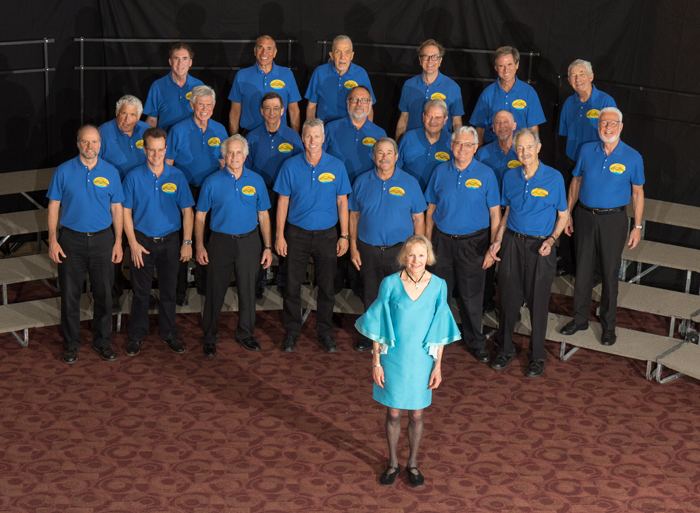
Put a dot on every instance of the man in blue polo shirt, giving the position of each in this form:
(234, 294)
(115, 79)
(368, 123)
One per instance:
(194, 148)
(506, 93)
(429, 85)
(386, 207)
(331, 82)
(88, 194)
(606, 175)
(422, 149)
(535, 216)
(463, 201)
(237, 198)
(168, 100)
(313, 189)
(155, 196)
(251, 84)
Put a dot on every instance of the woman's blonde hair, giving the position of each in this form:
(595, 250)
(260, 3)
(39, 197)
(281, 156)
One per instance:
(416, 239)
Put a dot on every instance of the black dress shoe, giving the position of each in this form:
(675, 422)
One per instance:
(250, 344)
(289, 344)
(106, 353)
(364, 344)
(572, 328)
(70, 355)
(488, 306)
(209, 350)
(608, 338)
(415, 477)
(175, 345)
(133, 347)
(501, 361)
(259, 291)
(535, 369)
(181, 299)
(328, 343)
(389, 476)
(481, 354)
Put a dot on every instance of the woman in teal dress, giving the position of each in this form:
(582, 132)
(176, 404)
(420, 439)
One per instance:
(409, 323)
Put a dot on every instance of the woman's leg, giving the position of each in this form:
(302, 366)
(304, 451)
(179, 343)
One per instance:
(415, 432)
(393, 431)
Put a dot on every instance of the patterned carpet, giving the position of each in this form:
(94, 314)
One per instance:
(274, 432)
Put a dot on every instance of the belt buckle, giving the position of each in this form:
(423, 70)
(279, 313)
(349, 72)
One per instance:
(157, 239)
(90, 234)
(521, 236)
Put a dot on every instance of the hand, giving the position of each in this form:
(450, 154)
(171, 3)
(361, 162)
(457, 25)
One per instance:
(488, 261)
(635, 237)
(137, 252)
(281, 246)
(545, 248)
(342, 247)
(378, 375)
(202, 256)
(117, 252)
(494, 249)
(55, 252)
(435, 379)
(569, 228)
(185, 252)
(355, 258)
(266, 258)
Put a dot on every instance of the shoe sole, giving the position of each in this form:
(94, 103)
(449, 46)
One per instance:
(103, 358)
(69, 363)
(132, 354)
(248, 348)
(501, 368)
(171, 349)
(362, 350)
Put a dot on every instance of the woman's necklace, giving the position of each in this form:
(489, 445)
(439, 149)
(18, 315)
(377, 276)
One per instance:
(414, 281)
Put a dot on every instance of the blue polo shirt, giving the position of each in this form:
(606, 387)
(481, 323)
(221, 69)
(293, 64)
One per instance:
(385, 207)
(267, 153)
(351, 146)
(462, 198)
(156, 201)
(234, 203)
(120, 150)
(196, 153)
(330, 89)
(533, 203)
(169, 102)
(499, 161)
(416, 92)
(579, 121)
(521, 101)
(606, 181)
(418, 157)
(251, 84)
(86, 196)
(313, 191)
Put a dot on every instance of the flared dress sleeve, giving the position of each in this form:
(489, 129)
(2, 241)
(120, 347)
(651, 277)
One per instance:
(376, 323)
(443, 328)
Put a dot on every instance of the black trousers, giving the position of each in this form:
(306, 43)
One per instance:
(566, 251)
(524, 272)
(239, 254)
(459, 263)
(200, 271)
(119, 278)
(600, 240)
(91, 254)
(164, 255)
(301, 246)
(377, 264)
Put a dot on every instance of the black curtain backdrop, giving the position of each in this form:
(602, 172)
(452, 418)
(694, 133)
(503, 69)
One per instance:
(649, 44)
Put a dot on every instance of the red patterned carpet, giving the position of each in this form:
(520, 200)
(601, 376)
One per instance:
(274, 432)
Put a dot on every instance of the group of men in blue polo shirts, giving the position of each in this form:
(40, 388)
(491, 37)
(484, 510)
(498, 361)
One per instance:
(342, 187)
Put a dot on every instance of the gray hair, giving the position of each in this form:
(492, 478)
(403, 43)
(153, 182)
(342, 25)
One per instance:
(580, 62)
(202, 92)
(526, 131)
(436, 103)
(341, 39)
(129, 99)
(611, 109)
(384, 140)
(464, 129)
(312, 122)
(86, 127)
(234, 138)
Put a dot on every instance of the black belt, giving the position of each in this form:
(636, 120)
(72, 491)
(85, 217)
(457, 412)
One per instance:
(314, 232)
(468, 236)
(239, 236)
(384, 248)
(87, 234)
(159, 240)
(526, 236)
(602, 211)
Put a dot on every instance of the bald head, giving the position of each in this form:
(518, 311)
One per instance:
(504, 125)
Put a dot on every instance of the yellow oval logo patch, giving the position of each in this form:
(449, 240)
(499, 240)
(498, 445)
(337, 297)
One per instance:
(618, 169)
(472, 183)
(285, 148)
(397, 191)
(101, 181)
(350, 84)
(519, 104)
(326, 177)
(248, 190)
(139, 144)
(438, 96)
(169, 188)
(189, 95)
(277, 84)
(540, 193)
(214, 141)
(441, 155)
(368, 141)
(593, 114)
(514, 163)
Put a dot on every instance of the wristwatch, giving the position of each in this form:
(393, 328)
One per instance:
(346, 237)
(638, 227)
(268, 247)
(188, 242)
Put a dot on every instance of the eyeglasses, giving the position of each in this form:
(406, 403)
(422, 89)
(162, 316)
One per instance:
(612, 124)
(435, 57)
(272, 109)
(363, 101)
(467, 145)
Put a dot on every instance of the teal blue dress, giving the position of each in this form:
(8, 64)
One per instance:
(411, 331)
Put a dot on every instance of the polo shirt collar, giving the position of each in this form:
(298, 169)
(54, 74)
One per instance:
(272, 72)
(229, 174)
(515, 85)
(618, 149)
(346, 74)
(324, 158)
(375, 176)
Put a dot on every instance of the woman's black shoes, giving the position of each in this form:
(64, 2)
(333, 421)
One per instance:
(389, 476)
(415, 477)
